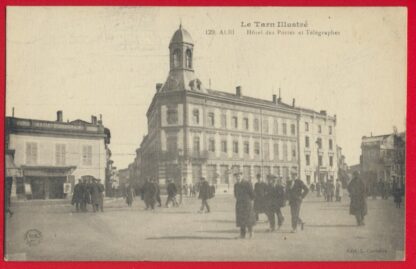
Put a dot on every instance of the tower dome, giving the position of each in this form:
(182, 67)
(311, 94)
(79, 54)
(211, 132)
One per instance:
(181, 36)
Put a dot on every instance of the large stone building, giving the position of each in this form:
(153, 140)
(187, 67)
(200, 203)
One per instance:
(195, 131)
(51, 155)
(383, 157)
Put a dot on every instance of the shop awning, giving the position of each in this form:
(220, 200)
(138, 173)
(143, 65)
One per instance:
(47, 171)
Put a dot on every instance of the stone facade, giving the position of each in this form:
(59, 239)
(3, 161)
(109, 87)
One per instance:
(198, 132)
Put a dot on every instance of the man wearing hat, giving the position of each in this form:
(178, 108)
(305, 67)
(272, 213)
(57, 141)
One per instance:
(275, 200)
(245, 217)
(100, 195)
(296, 192)
(358, 195)
(259, 197)
(204, 195)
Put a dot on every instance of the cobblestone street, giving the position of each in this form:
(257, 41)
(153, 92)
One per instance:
(122, 233)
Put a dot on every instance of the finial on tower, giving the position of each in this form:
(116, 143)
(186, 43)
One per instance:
(180, 23)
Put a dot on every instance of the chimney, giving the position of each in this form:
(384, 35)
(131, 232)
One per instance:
(323, 112)
(93, 119)
(158, 87)
(238, 91)
(100, 122)
(59, 116)
(274, 98)
(280, 97)
(293, 102)
(12, 112)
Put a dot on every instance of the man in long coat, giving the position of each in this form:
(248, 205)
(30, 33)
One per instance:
(204, 195)
(259, 197)
(150, 193)
(172, 191)
(95, 195)
(296, 192)
(245, 216)
(85, 194)
(101, 190)
(77, 196)
(275, 200)
(358, 205)
(130, 193)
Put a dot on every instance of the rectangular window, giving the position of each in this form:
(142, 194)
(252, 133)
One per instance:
(275, 127)
(31, 153)
(60, 154)
(266, 150)
(246, 125)
(211, 145)
(306, 141)
(330, 130)
(276, 151)
(87, 155)
(246, 147)
(294, 151)
(308, 159)
(285, 151)
(330, 144)
(308, 179)
(235, 147)
(319, 129)
(320, 160)
(265, 126)
(276, 170)
(331, 161)
(197, 147)
(257, 148)
(211, 119)
(224, 146)
(284, 128)
(224, 121)
(306, 126)
(195, 116)
(172, 116)
(293, 129)
(172, 144)
(235, 122)
(319, 142)
(256, 125)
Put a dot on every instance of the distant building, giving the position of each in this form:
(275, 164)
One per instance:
(383, 157)
(194, 132)
(53, 155)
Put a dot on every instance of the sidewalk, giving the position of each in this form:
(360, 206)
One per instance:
(54, 202)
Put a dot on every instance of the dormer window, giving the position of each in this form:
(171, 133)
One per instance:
(188, 58)
(176, 58)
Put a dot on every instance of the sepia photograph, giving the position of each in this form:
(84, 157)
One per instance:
(205, 133)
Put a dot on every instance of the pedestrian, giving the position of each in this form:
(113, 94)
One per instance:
(149, 194)
(77, 196)
(85, 194)
(338, 191)
(318, 189)
(130, 193)
(245, 215)
(397, 193)
(204, 195)
(358, 205)
(296, 192)
(259, 197)
(101, 190)
(275, 200)
(331, 190)
(172, 191)
(156, 184)
(312, 187)
(95, 193)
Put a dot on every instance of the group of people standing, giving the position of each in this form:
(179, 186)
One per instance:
(328, 189)
(267, 198)
(88, 192)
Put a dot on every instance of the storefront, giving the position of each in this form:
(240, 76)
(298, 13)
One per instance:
(45, 182)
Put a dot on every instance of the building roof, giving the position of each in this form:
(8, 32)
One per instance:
(181, 36)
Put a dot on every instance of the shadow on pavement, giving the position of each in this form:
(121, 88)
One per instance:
(231, 231)
(187, 237)
(330, 225)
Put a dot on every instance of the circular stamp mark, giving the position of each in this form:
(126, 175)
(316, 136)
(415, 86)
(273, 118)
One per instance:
(33, 237)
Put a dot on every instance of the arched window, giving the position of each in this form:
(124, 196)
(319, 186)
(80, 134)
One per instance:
(188, 58)
(176, 58)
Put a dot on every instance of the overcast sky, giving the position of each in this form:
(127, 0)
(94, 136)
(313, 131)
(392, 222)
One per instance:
(95, 60)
